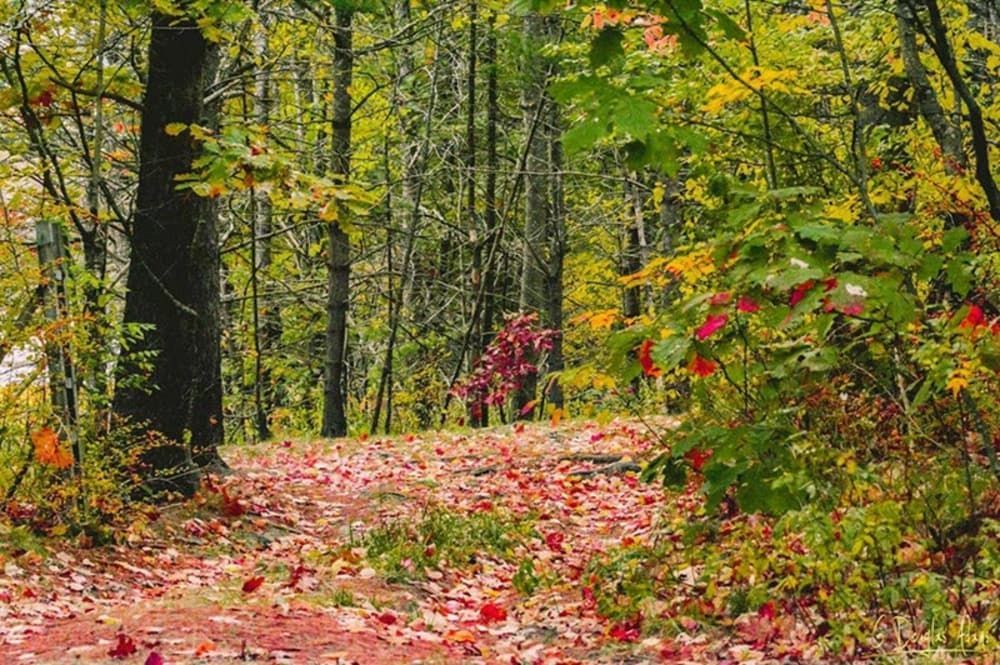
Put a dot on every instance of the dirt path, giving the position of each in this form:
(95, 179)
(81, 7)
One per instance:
(271, 568)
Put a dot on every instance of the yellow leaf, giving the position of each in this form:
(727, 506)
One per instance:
(175, 128)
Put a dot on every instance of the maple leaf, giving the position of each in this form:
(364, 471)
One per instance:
(702, 366)
(154, 659)
(49, 451)
(626, 631)
(747, 305)
(555, 541)
(721, 298)
(974, 319)
(649, 368)
(124, 648)
(492, 613)
(697, 458)
(387, 618)
(800, 291)
(253, 584)
(713, 324)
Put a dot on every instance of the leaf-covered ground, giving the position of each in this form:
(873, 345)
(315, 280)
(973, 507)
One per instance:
(325, 552)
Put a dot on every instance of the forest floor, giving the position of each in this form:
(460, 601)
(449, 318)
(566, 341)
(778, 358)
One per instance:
(434, 548)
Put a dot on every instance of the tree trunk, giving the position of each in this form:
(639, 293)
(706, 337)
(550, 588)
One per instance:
(536, 205)
(173, 282)
(338, 293)
(947, 134)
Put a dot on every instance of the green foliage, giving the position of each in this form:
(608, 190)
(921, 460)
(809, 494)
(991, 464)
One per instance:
(441, 540)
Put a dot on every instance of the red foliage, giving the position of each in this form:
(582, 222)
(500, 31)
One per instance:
(649, 368)
(702, 366)
(510, 358)
(697, 458)
(492, 613)
(124, 648)
(154, 659)
(627, 631)
(747, 305)
(253, 584)
(713, 324)
(800, 291)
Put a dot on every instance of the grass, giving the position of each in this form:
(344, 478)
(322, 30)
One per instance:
(407, 549)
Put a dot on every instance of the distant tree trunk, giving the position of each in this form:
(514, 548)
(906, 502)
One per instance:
(490, 211)
(631, 252)
(477, 411)
(338, 294)
(553, 317)
(536, 204)
(173, 281)
(267, 315)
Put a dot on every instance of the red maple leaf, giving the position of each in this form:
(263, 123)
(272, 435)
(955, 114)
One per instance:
(800, 292)
(555, 541)
(627, 631)
(253, 584)
(747, 305)
(154, 659)
(697, 458)
(974, 318)
(649, 368)
(492, 613)
(702, 366)
(124, 648)
(713, 324)
(721, 298)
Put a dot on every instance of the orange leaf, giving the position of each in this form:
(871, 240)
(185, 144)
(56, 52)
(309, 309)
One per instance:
(49, 451)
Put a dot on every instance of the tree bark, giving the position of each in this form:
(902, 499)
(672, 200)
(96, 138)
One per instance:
(338, 292)
(946, 133)
(173, 282)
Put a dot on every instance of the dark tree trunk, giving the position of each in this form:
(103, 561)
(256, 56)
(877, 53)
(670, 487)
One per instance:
(339, 248)
(173, 282)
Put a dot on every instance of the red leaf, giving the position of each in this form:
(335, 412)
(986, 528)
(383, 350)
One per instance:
(702, 366)
(589, 600)
(555, 541)
(44, 99)
(768, 610)
(124, 648)
(492, 613)
(713, 324)
(800, 292)
(697, 458)
(854, 308)
(649, 368)
(387, 618)
(974, 318)
(253, 584)
(722, 298)
(747, 305)
(154, 659)
(232, 506)
(627, 631)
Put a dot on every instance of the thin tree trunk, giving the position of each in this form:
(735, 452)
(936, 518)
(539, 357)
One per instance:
(980, 143)
(947, 134)
(338, 296)
(536, 207)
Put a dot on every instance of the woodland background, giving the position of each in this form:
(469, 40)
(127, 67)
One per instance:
(777, 220)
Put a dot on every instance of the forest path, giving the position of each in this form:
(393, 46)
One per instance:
(268, 565)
